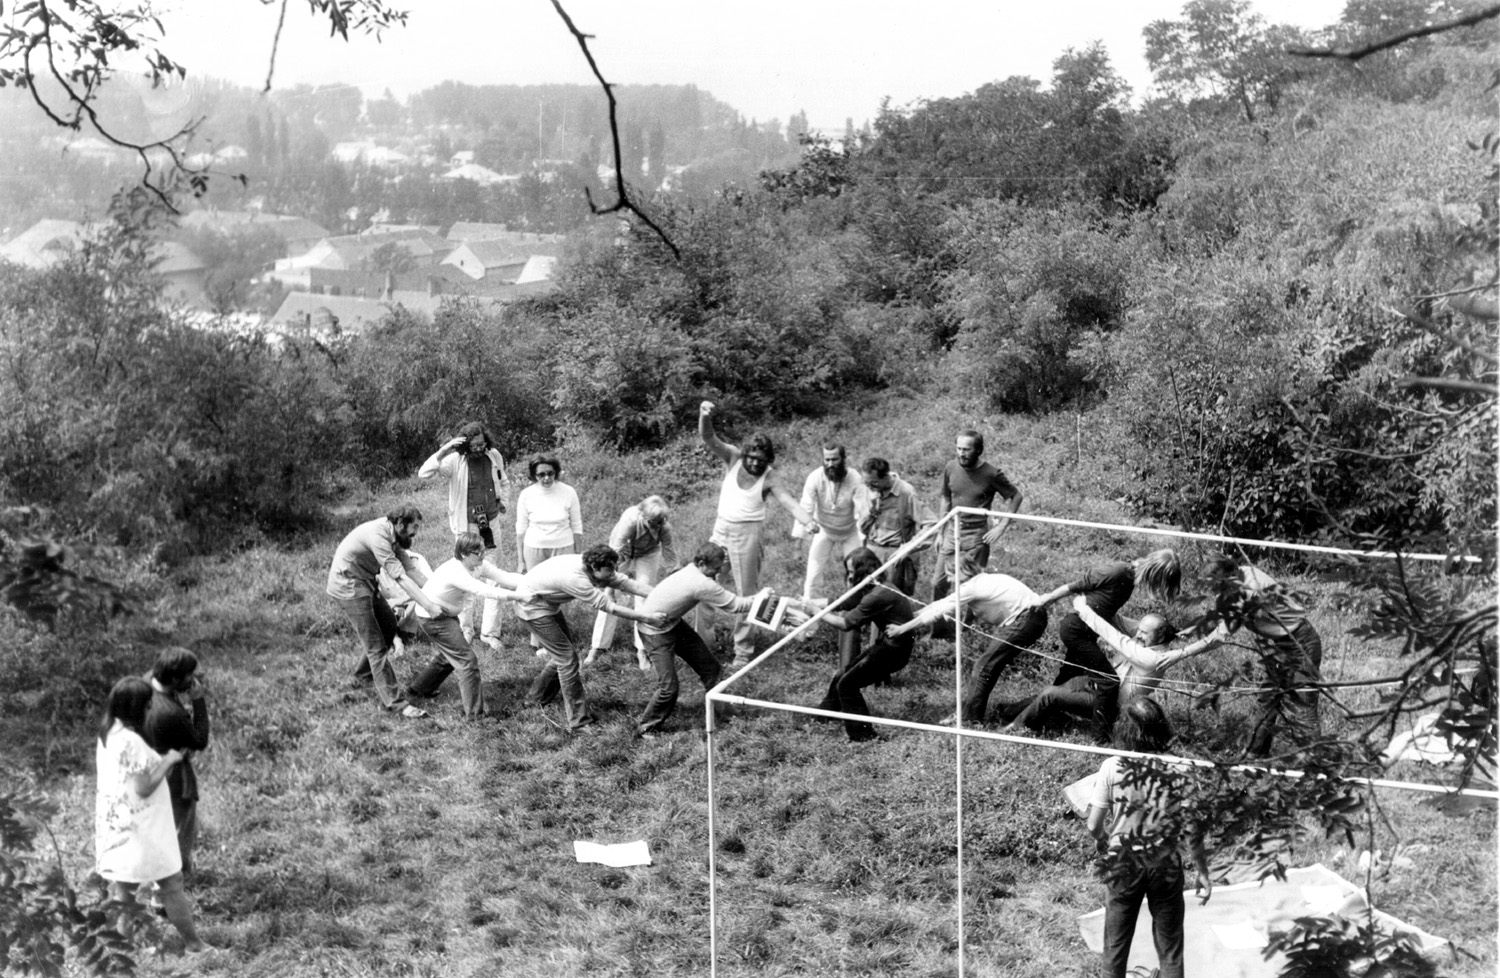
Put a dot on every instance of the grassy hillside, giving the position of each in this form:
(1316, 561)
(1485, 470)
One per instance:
(340, 840)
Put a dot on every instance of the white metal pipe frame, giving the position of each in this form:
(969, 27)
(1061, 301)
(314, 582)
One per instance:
(720, 694)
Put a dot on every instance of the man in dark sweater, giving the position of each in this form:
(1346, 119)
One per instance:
(874, 604)
(969, 482)
(170, 725)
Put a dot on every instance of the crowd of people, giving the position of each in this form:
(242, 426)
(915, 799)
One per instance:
(868, 518)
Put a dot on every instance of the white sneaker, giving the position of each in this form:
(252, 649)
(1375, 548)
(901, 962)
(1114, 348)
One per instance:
(493, 643)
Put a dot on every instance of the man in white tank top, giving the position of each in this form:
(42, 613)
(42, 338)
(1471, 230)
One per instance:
(748, 480)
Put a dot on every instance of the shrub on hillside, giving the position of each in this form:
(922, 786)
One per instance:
(411, 382)
(752, 312)
(1030, 286)
(128, 425)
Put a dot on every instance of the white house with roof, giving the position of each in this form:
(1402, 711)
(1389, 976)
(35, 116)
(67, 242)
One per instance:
(44, 244)
(481, 259)
(481, 175)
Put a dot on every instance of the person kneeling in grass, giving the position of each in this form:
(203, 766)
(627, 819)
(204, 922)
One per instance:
(1142, 660)
(1086, 684)
(675, 639)
(885, 608)
(1139, 663)
(1128, 815)
(451, 587)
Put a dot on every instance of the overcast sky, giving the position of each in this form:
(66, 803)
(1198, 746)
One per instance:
(767, 59)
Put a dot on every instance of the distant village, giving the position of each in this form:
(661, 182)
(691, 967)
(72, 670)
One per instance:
(342, 281)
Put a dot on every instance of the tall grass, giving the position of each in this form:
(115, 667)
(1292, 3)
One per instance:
(340, 840)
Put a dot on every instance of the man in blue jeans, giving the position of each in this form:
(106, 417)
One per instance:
(554, 583)
(368, 549)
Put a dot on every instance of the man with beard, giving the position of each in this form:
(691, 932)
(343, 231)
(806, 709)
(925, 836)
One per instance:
(838, 501)
(970, 483)
(555, 582)
(477, 486)
(748, 480)
(368, 549)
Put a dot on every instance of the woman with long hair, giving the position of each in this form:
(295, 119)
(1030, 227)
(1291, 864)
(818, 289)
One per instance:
(135, 840)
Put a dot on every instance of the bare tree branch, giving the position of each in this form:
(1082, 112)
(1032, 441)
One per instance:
(1450, 384)
(275, 46)
(622, 195)
(1355, 54)
(1428, 326)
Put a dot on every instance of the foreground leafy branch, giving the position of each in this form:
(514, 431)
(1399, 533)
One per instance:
(62, 56)
(42, 918)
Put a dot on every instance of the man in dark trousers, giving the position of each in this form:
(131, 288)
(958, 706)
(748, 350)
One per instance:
(969, 482)
(177, 719)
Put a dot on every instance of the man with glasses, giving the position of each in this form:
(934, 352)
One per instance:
(643, 539)
(748, 480)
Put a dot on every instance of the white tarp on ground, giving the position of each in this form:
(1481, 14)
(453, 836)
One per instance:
(1224, 938)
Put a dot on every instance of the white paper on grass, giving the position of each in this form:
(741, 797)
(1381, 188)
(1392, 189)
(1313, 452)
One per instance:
(618, 855)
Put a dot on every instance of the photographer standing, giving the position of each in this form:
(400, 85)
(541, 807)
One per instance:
(477, 487)
(172, 724)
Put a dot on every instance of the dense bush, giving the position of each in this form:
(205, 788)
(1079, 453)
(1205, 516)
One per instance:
(753, 312)
(130, 426)
(1029, 286)
(410, 382)
(1261, 380)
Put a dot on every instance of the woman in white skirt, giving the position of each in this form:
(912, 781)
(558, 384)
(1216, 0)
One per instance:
(135, 840)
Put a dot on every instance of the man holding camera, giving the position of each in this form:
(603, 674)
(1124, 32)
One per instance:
(477, 487)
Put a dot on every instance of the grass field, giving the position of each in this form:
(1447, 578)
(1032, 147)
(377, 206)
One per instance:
(340, 840)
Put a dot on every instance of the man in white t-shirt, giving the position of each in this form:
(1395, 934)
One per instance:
(675, 598)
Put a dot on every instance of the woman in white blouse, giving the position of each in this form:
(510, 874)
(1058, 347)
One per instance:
(548, 521)
(135, 840)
